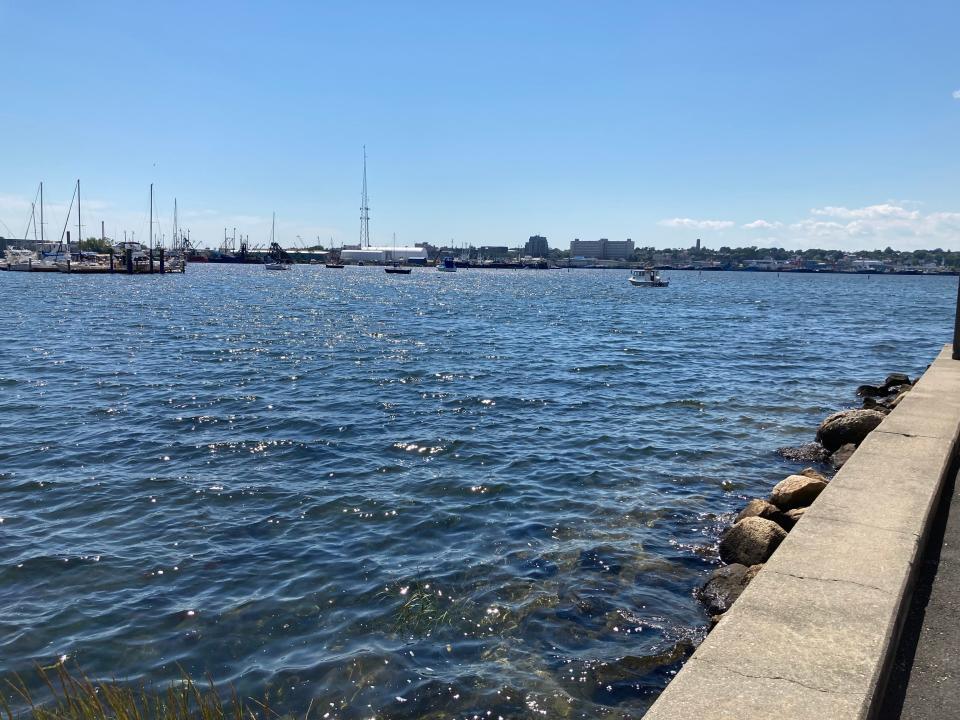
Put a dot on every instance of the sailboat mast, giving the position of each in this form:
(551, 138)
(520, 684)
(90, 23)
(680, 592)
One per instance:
(41, 212)
(151, 227)
(174, 223)
(364, 207)
(79, 230)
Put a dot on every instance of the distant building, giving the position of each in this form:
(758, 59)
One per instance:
(698, 243)
(602, 249)
(382, 254)
(537, 247)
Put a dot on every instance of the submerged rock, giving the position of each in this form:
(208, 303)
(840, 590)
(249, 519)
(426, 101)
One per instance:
(751, 541)
(796, 491)
(811, 452)
(842, 454)
(847, 426)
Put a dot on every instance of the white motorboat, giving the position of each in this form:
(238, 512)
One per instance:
(19, 258)
(647, 278)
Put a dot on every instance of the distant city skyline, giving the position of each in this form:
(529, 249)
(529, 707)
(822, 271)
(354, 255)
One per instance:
(757, 124)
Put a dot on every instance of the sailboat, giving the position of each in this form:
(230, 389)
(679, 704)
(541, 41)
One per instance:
(21, 259)
(396, 268)
(278, 258)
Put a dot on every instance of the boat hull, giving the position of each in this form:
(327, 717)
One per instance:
(649, 283)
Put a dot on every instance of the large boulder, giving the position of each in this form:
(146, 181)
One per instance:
(751, 541)
(725, 585)
(847, 426)
(811, 473)
(842, 454)
(796, 491)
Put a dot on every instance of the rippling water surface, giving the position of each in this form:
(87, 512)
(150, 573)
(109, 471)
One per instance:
(441, 495)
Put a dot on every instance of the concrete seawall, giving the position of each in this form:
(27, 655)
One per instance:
(813, 635)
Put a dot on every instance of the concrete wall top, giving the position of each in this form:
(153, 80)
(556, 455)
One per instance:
(812, 636)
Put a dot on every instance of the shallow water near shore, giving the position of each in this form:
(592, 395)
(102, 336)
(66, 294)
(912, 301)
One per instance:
(435, 495)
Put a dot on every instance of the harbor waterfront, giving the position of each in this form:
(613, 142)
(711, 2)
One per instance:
(439, 495)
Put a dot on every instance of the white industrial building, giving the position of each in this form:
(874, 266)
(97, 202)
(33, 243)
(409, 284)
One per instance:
(383, 254)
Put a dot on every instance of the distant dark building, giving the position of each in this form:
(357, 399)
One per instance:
(537, 247)
(698, 243)
(602, 249)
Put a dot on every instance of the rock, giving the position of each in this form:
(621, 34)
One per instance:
(759, 508)
(869, 391)
(751, 541)
(874, 404)
(724, 586)
(795, 514)
(764, 509)
(811, 452)
(842, 454)
(847, 426)
(796, 491)
(811, 473)
(896, 379)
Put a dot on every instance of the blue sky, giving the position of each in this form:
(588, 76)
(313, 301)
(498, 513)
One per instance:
(796, 124)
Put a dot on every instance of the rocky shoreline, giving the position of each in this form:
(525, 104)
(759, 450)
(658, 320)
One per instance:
(763, 524)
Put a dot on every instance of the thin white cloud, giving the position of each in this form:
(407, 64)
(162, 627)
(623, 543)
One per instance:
(956, 94)
(691, 224)
(893, 223)
(762, 225)
(871, 212)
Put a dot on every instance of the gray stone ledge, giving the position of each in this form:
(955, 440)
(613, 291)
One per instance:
(812, 636)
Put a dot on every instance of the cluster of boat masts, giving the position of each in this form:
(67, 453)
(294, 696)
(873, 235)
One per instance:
(127, 256)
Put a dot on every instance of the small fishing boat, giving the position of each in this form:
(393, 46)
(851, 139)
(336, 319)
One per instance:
(447, 265)
(647, 278)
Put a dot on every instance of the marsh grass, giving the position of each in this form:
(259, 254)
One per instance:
(72, 696)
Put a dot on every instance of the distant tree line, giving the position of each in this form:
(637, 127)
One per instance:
(740, 255)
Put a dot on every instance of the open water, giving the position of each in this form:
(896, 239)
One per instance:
(481, 494)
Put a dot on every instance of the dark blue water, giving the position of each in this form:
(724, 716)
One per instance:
(435, 495)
